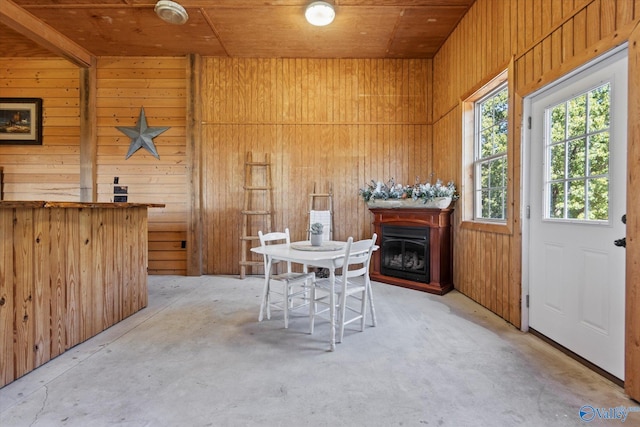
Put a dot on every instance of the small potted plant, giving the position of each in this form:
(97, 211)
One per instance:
(316, 234)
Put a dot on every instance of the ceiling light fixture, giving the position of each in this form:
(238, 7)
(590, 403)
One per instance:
(171, 12)
(320, 13)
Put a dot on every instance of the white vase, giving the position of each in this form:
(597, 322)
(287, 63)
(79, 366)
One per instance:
(316, 239)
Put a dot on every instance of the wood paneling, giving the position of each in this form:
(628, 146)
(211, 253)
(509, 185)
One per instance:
(53, 170)
(546, 39)
(337, 121)
(50, 171)
(329, 122)
(66, 274)
(632, 295)
(124, 86)
(193, 142)
(228, 28)
(31, 27)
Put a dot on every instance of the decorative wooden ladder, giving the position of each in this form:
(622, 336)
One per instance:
(324, 214)
(321, 210)
(256, 211)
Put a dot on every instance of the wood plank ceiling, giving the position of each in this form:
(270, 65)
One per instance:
(242, 28)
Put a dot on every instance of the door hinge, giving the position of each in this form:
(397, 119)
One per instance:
(528, 212)
(529, 122)
(527, 301)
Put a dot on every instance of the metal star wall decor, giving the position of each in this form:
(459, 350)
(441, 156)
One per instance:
(142, 135)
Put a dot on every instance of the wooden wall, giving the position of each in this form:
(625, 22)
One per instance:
(124, 86)
(328, 122)
(50, 171)
(337, 121)
(544, 39)
(632, 294)
(331, 122)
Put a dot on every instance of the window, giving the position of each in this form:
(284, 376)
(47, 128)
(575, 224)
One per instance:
(490, 155)
(486, 193)
(577, 153)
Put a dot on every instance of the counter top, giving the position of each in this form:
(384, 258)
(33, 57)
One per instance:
(43, 204)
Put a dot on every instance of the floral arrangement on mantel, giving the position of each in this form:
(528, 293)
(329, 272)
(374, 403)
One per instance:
(427, 192)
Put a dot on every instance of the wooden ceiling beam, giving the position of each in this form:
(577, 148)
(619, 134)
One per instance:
(18, 19)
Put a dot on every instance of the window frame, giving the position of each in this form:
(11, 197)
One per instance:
(466, 204)
(478, 160)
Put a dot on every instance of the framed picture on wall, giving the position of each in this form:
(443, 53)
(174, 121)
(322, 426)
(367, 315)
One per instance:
(21, 121)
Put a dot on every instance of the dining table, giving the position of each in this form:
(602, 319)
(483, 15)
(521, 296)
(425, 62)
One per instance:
(330, 255)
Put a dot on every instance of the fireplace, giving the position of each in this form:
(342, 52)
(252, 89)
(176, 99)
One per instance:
(416, 248)
(405, 252)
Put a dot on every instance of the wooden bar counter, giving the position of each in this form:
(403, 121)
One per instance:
(68, 271)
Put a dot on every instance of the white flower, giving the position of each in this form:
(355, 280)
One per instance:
(391, 190)
(378, 189)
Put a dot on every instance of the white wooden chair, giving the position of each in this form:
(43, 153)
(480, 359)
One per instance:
(352, 288)
(295, 286)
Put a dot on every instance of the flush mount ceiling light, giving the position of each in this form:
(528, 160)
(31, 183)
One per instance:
(171, 12)
(320, 13)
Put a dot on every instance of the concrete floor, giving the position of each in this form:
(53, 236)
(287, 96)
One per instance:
(198, 357)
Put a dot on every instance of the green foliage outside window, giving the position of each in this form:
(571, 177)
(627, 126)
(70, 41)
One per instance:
(491, 156)
(578, 157)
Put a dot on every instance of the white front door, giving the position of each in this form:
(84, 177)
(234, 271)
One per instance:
(577, 187)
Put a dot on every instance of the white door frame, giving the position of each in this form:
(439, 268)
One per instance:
(525, 191)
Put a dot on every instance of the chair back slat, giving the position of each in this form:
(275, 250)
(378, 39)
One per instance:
(275, 237)
(353, 259)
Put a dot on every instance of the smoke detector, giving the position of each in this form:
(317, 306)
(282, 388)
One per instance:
(171, 12)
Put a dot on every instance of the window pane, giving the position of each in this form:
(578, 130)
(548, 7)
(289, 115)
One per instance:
(576, 158)
(500, 139)
(486, 143)
(556, 202)
(497, 204)
(486, 206)
(599, 154)
(500, 106)
(576, 202)
(557, 162)
(598, 198)
(491, 173)
(485, 174)
(495, 173)
(558, 123)
(599, 108)
(486, 114)
(577, 109)
(501, 179)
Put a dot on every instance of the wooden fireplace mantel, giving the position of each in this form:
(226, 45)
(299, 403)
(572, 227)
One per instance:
(440, 245)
